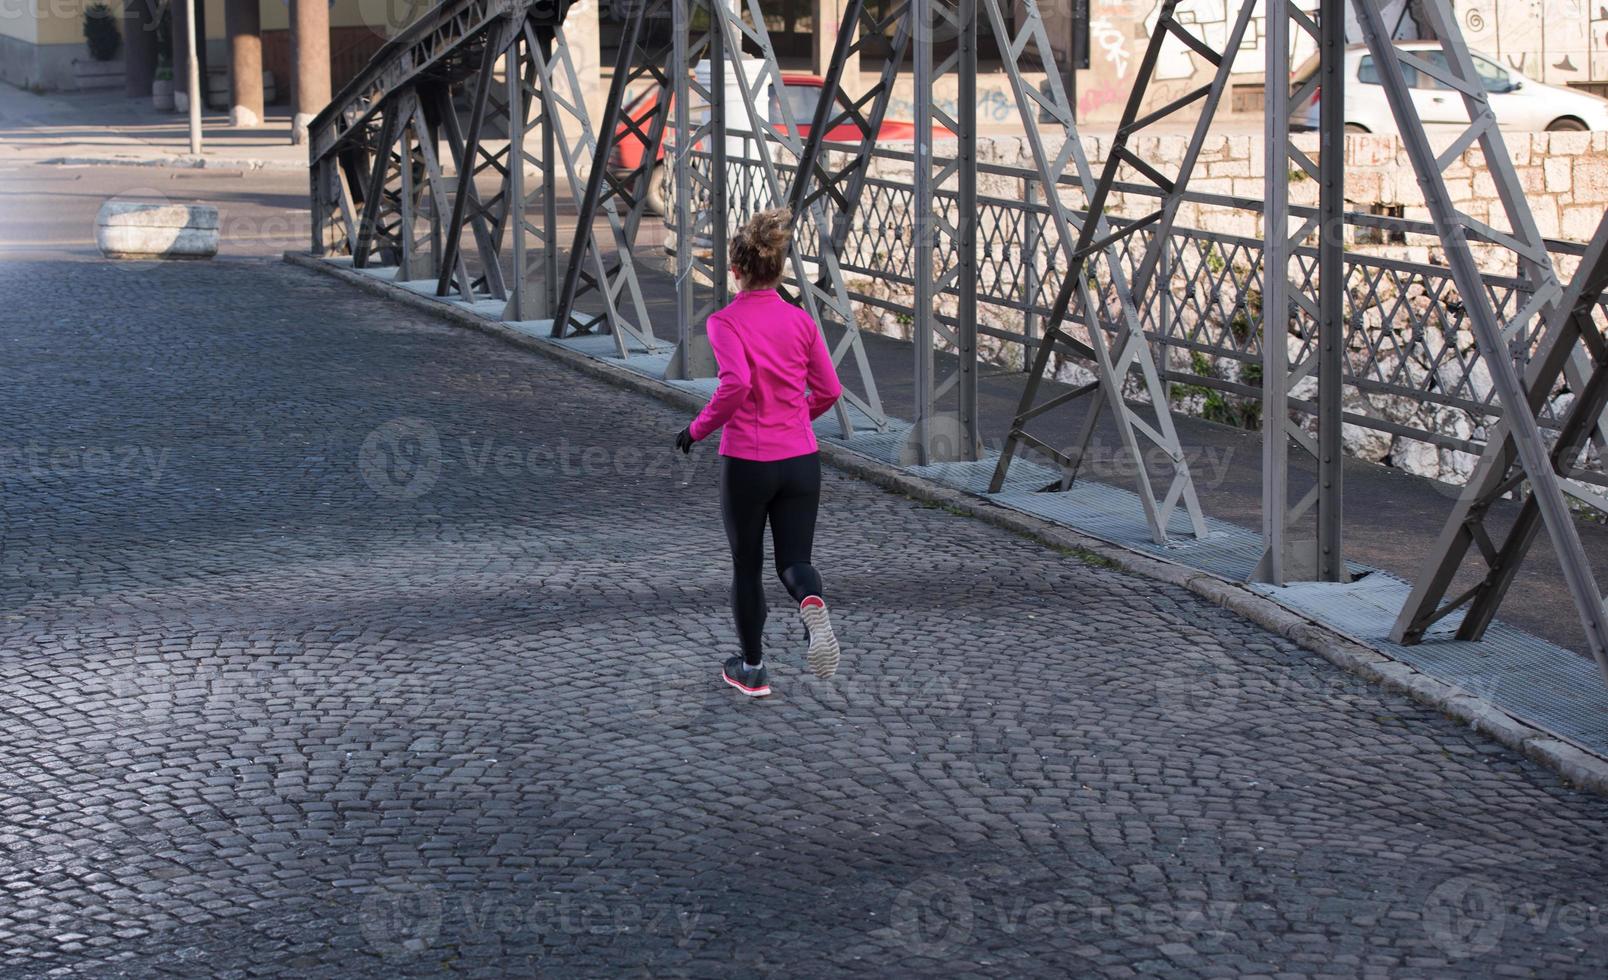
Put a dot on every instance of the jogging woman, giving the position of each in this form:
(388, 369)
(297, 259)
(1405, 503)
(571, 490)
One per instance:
(776, 378)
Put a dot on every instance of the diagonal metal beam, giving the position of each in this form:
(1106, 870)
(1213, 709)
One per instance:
(1519, 440)
(601, 187)
(625, 312)
(498, 39)
(1117, 340)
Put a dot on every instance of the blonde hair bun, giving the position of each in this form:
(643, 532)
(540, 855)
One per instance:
(759, 251)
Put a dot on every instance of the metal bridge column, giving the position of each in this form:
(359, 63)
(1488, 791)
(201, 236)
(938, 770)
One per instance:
(934, 214)
(1305, 312)
(699, 198)
(603, 188)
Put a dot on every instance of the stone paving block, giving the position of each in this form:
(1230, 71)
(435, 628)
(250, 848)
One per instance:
(301, 682)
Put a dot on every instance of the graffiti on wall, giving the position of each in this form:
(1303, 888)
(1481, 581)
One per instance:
(1211, 21)
(1107, 43)
(1555, 41)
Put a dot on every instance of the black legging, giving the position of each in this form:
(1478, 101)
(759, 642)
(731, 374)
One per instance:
(787, 491)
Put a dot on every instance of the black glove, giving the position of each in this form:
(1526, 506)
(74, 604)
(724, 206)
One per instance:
(684, 440)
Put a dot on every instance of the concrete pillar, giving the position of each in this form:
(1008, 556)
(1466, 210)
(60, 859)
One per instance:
(139, 47)
(309, 25)
(243, 18)
(828, 21)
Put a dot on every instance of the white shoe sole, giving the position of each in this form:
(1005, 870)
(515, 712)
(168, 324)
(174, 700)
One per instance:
(824, 654)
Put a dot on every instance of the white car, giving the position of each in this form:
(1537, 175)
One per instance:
(1520, 103)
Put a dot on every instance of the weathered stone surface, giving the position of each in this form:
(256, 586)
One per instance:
(157, 214)
(384, 650)
(141, 229)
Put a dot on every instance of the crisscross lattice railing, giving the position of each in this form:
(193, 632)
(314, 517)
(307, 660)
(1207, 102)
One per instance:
(1410, 368)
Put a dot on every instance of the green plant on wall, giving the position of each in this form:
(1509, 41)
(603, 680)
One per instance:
(1217, 406)
(101, 33)
(1240, 322)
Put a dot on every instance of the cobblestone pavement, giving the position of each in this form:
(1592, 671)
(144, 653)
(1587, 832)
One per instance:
(338, 642)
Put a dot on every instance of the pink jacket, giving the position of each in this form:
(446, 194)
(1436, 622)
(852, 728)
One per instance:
(769, 352)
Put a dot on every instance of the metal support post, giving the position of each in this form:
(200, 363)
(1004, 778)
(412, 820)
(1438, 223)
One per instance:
(944, 209)
(499, 42)
(1331, 562)
(533, 211)
(1302, 334)
(1030, 245)
(699, 198)
(589, 271)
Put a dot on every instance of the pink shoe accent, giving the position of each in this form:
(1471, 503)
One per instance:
(753, 692)
(812, 602)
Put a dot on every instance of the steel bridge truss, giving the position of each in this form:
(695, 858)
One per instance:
(1551, 333)
(1109, 303)
(704, 208)
(698, 216)
(380, 193)
(1302, 315)
(1303, 308)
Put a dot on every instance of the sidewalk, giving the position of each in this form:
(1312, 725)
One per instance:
(110, 128)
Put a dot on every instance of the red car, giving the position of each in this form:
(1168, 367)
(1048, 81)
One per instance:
(803, 94)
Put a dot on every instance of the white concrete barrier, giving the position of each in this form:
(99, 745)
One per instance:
(156, 230)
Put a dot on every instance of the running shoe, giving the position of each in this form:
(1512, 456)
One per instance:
(823, 655)
(753, 683)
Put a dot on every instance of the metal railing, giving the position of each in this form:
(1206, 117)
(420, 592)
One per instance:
(1411, 369)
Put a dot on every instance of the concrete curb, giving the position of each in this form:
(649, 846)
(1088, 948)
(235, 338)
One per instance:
(1581, 768)
(185, 162)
